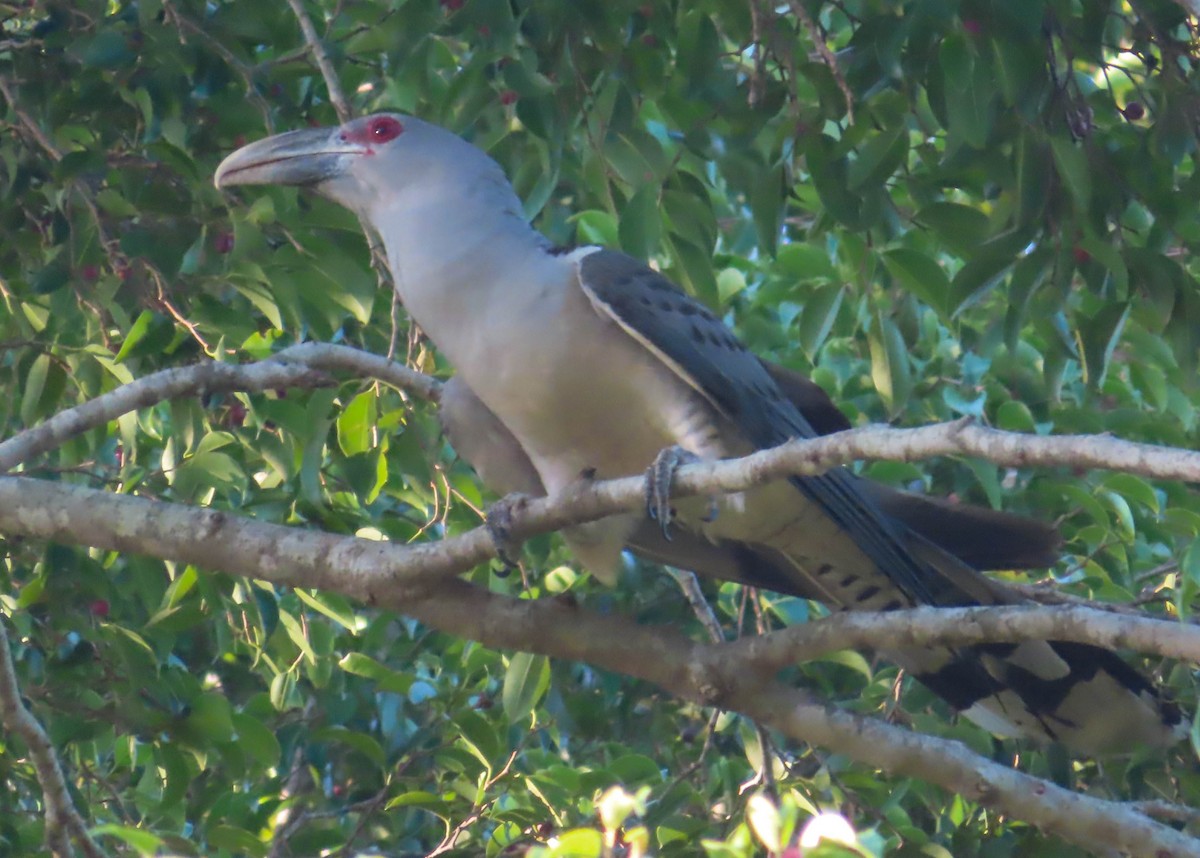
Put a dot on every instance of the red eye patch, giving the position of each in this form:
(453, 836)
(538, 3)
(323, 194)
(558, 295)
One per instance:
(379, 129)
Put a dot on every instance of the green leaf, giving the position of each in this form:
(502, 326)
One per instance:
(1133, 488)
(890, 369)
(828, 173)
(237, 840)
(386, 679)
(1033, 178)
(299, 637)
(818, 316)
(211, 718)
(360, 742)
(1014, 416)
(962, 228)
(879, 157)
(920, 275)
(969, 91)
(356, 424)
(35, 385)
(525, 683)
(1100, 336)
(803, 261)
(259, 743)
(985, 269)
(766, 204)
(145, 842)
(640, 224)
(331, 605)
(135, 334)
(1071, 162)
(597, 227)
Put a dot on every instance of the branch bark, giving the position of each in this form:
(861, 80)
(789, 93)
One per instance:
(336, 97)
(63, 822)
(297, 366)
(699, 672)
(416, 579)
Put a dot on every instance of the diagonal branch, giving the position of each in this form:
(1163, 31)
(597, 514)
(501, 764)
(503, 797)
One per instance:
(297, 366)
(332, 84)
(63, 822)
(144, 392)
(698, 672)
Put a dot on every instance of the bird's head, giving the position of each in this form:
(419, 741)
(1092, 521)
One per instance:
(363, 163)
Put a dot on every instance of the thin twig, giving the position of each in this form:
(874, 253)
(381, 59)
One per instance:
(818, 39)
(332, 84)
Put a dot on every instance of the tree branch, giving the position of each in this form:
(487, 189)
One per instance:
(925, 626)
(375, 572)
(63, 821)
(363, 364)
(148, 391)
(332, 83)
(297, 366)
(698, 672)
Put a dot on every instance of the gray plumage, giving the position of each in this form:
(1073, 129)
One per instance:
(590, 362)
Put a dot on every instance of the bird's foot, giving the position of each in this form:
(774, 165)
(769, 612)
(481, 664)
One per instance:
(658, 486)
(499, 520)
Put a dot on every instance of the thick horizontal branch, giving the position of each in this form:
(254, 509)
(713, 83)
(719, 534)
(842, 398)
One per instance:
(367, 569)
(362, 568)
(959, 438)
(695, 671)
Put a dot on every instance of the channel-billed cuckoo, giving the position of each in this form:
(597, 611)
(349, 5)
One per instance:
(587, 362)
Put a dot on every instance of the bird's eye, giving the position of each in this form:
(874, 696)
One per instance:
(384, 128)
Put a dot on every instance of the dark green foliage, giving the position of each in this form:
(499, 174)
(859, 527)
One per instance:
(1003, 230)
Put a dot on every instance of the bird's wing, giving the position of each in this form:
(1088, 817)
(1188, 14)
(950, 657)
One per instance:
(698, 347)
(1037, 688)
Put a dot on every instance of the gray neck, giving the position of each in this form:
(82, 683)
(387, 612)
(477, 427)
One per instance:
(460, 250)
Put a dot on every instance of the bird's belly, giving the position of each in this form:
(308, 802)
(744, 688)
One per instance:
(602, 407)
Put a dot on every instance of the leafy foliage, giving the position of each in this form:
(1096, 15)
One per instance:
(1000, 227)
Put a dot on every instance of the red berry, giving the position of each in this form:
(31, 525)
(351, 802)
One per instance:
(1134, 111)
(236, 416)
(452, 5)
(972, 26)
(1081, 255)
(90, 273)
(99, 608)
(508, 97)
(223, 242)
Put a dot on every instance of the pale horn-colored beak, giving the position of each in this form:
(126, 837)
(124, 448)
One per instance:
(305, 157)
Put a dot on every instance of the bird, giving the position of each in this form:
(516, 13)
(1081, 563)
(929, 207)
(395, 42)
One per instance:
(585, 363)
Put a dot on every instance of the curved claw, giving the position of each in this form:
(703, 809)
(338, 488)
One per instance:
(658, 485)
(499, 520)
